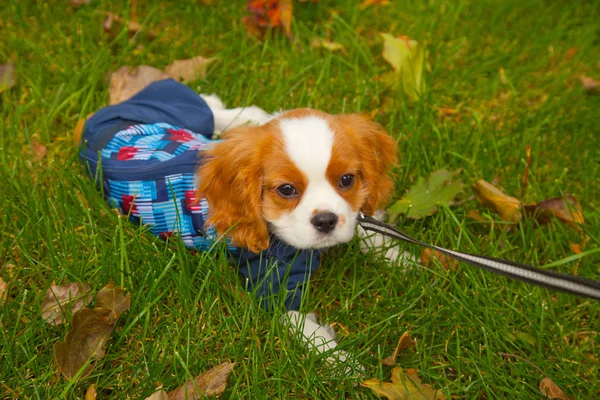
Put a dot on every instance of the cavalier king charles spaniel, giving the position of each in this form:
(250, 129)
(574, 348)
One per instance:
(300, 176)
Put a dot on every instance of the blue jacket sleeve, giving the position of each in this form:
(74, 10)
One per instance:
(280, 266)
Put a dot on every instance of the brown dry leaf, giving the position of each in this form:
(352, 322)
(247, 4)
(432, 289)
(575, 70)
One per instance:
(91, 393)
(64, 299)
(252, 27)
(326, 44)
(567, 209)
(447, 112)
(158, 395)
(90, 331)
(269, 14)
(113, 299)
(3, 291)
(368, 3)
(404, 343)
(7, 76)
(404, 386)
(590, 85)
(551, 390)
(39, 150)
(212, 382)
(112, 25)
(190, 69)
(428, 255)
(78, 3)
(508, 207)
(124, 83)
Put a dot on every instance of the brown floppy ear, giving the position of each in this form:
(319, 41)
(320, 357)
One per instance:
(378, 153)
(230, 178)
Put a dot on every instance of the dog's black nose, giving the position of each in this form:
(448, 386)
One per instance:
(324, 222)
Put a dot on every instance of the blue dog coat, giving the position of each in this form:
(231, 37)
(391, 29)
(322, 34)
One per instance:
(145, 152)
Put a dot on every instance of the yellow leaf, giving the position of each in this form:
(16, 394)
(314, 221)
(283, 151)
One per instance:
(490, 196)
(407, 57)
(404, 386)
(91, 393)
(404, 343)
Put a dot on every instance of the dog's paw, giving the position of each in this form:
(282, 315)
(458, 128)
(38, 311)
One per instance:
(254, 115)
(344, 365)
(213, 101)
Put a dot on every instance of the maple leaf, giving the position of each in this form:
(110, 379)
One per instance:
(425, 196)
(404, 386)
(268, 14)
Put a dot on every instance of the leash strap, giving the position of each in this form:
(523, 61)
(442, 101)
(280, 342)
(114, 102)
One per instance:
(549, 279)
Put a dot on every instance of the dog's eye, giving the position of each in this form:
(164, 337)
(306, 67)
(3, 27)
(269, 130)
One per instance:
(346, 181)
(287, 191)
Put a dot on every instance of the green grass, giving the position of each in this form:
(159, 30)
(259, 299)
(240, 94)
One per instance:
(189, 311)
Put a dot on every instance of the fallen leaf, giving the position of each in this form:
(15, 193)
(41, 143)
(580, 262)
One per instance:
(428, 255)
(90, 331)
(575, 247)
(158, 395)
(368, 3)
(252, 27)
(571, 53)
(407, 57)
(210, 383)
(39, 150)
(404, 386)
(124, 83)
(551, 390)
(3, 291)
(509, 208)
(423, 199)
(326, 44)
(269, 14)
(113, 299)
(523, 337)
(190, 69)
(62, 300)
(590, 85)
(7, 76)
(91, 393)
(476, 215)
(567, 209)
(78, 3)
(113, 24)
(447, 112)
(404, 343)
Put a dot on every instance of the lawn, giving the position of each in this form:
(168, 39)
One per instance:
(509, 70)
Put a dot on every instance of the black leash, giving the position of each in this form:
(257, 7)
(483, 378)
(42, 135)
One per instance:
(522, 272)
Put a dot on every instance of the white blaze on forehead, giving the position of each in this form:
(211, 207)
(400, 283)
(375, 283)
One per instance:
(308, 141)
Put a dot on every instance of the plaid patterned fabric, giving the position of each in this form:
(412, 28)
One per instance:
(167, 205)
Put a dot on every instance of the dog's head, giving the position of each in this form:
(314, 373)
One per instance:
(303, 176)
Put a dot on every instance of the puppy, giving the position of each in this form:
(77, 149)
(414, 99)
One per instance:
(277, 188)
(299, 177)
